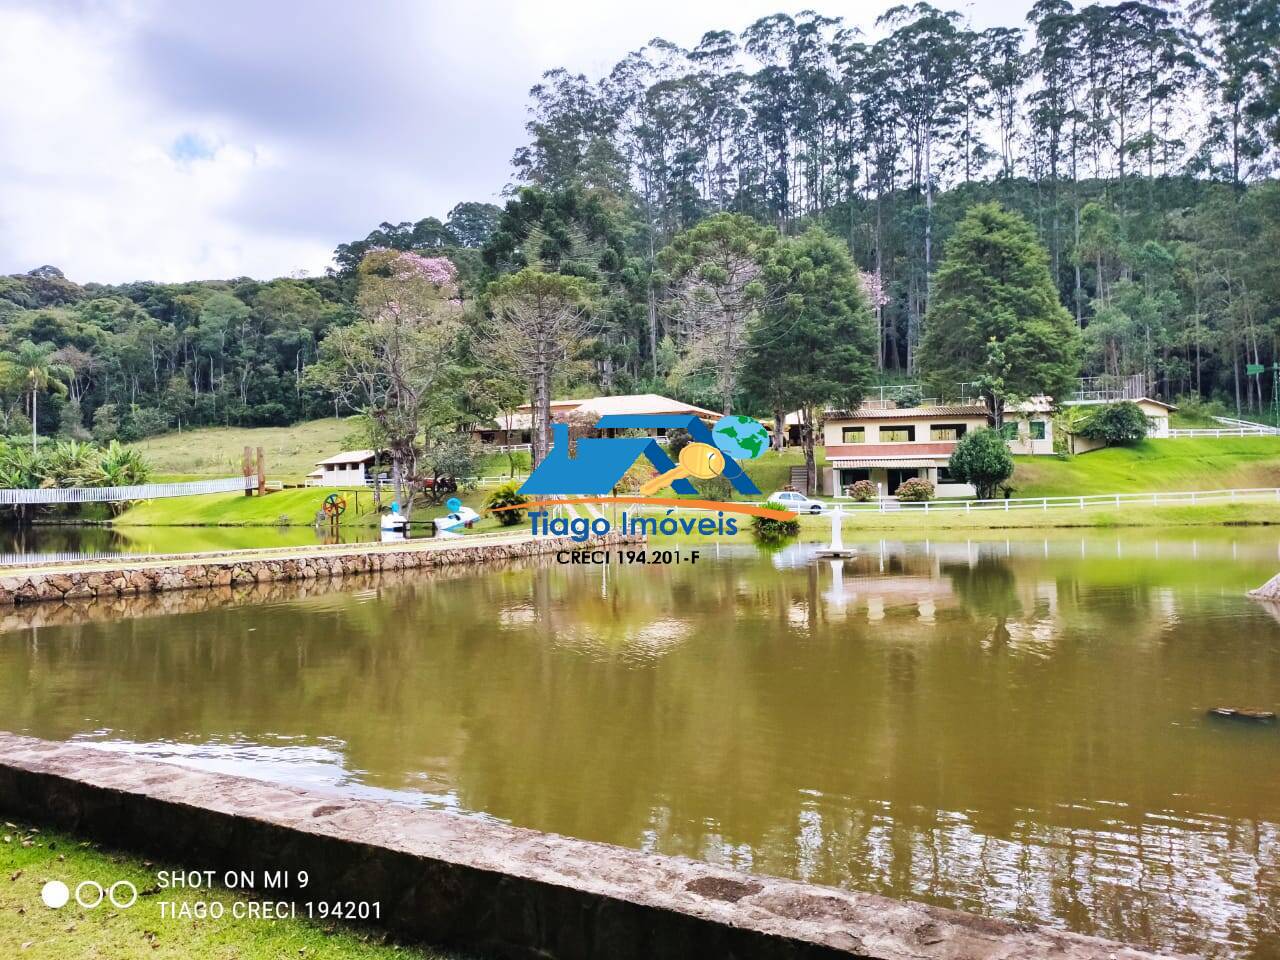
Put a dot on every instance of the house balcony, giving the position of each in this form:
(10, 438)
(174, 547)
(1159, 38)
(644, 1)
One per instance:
(921, 454)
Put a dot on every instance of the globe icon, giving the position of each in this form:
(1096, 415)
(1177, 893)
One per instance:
(741, 437)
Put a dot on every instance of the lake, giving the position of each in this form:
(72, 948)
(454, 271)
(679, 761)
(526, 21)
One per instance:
(32, 544)
(1012, 727)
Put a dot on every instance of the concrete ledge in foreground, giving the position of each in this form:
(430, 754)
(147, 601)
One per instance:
(463, 882)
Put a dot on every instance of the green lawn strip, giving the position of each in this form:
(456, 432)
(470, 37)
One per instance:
(31, 931)
(296, 506)
(284, 507)
(1196, 463)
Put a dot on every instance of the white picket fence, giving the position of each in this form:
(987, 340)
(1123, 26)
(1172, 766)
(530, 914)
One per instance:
(1217, 434)
(1157, 499)
(71, 556)
(1230, 428)
(144, 491)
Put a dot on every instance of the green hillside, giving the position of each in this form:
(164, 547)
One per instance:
(291, 452)
(1182, 464)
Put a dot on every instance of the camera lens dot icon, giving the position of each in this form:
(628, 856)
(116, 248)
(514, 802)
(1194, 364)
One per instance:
(55, 894)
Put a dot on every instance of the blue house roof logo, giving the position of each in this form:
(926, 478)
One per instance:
(601, 462)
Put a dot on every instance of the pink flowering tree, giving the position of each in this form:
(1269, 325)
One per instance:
(873, 286)
(396, 362)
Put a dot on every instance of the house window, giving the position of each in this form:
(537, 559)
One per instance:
(1037, 430)
(946, 431)
(897, 434)
(854, 434)
(944, 475)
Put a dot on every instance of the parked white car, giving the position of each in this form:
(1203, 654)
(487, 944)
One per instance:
(796, 501)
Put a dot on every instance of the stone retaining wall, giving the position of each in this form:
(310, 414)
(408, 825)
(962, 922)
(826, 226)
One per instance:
(80, 611)
(468, 883)
(142, 575)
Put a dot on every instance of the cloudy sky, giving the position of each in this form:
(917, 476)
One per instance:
(145, 139)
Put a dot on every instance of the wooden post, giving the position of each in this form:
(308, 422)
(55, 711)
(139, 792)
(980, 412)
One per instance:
(262, 474)
(246, 469)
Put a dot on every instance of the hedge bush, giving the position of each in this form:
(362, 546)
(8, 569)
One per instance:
(863, 490)
(915, 490)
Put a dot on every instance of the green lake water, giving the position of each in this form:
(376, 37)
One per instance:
(1015, 728)
(69, 541)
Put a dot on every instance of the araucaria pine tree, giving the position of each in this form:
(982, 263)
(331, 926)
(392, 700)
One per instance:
(995, 319)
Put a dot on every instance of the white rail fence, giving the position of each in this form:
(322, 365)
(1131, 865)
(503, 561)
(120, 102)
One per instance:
(1158, 499)
(144, 491)
(1217, 434)
(76, 556)
(850, 507)
(1230, 428)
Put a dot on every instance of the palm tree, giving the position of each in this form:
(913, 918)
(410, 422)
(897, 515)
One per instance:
(40, 372)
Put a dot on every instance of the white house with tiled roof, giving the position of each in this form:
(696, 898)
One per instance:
(515, 428)
(887, 444)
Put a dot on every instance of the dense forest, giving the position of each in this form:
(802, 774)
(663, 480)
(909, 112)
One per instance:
(1139, 140)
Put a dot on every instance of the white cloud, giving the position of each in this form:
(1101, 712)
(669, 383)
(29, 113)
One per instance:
(176, 139)
(90, 179)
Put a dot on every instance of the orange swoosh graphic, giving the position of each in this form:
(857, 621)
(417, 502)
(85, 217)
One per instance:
(749, 509)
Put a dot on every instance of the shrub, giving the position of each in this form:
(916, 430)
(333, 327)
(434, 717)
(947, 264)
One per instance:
(106, 422)
(449, 458)
(269, 415)
(909, 396)
(915, 490)
(677, 440)
(982, 458)
(1067, 424)
(1194, 409)
(715, 488)
(144, 422)
(863, 490)
(772, 531)
(1117, 424)
(636, 476)
(507, 495)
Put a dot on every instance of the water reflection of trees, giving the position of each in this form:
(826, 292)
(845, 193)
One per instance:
(736, 713)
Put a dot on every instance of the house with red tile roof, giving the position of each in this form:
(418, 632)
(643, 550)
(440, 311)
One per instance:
(887, 444)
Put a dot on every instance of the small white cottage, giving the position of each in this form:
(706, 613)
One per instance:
(350, 468)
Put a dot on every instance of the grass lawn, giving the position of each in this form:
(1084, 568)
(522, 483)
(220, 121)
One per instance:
(293, 507)
(32, 931)
(1153, 465)
(298, 505)
(1199, 463)
(291, 452)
